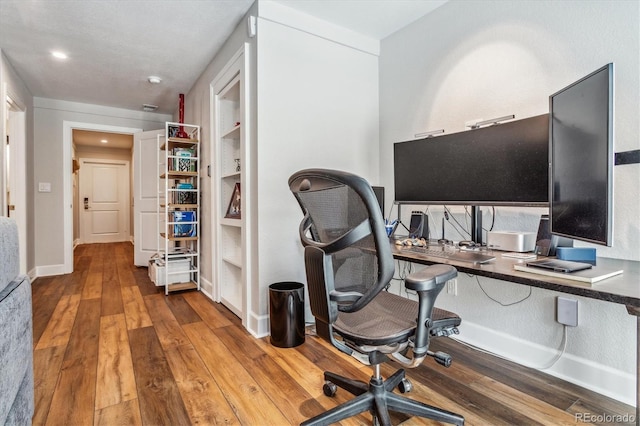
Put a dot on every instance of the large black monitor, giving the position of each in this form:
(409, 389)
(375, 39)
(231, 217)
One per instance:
(581, 158)
(504, 164)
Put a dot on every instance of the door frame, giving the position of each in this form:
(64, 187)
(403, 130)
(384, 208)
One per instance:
(127, 199)
(14, 112)
(67, 182)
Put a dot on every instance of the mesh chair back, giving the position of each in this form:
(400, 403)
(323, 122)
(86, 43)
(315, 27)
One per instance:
(344, 224)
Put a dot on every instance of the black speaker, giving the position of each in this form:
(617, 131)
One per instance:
(546, 243)
(419, 225)
(379, 193)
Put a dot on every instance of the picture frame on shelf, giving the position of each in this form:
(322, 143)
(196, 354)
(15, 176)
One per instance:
(234, 210)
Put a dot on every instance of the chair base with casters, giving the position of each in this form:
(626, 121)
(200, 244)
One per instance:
(377, 396)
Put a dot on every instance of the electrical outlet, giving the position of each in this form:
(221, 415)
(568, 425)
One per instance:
(567, 311)
(452, 287)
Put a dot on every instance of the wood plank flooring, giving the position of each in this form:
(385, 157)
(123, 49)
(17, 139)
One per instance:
(111, 349)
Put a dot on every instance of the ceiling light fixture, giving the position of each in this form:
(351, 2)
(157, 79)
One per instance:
(154, 80)
(103, 141)
(58, 54)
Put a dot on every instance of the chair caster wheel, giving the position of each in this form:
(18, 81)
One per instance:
(329, 388)
(376, 422)
(405, 386)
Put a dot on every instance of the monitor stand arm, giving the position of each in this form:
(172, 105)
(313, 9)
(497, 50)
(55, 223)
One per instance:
(400, 219)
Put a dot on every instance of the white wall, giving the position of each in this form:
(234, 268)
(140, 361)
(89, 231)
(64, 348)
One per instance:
(317, 107)
(49, 116)
(486, 59)
(16, 89)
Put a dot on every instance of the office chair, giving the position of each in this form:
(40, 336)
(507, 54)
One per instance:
(349, 266)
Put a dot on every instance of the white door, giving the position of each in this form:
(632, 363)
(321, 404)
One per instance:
(146, 233)
(104, 201)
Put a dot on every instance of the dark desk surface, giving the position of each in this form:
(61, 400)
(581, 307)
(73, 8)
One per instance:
(623, 288)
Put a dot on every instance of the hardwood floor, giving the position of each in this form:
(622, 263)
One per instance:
(111, 349)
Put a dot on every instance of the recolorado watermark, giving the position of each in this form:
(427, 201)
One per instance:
(604, 418)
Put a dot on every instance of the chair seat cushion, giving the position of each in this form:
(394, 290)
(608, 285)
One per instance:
(387, 319)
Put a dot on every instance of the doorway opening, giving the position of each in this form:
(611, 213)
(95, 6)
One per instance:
(70, 178)
(101, 186)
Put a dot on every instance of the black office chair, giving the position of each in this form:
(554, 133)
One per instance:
(349, 266)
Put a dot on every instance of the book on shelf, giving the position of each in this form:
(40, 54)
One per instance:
(186, 163)
(186, 229)
(184, 194)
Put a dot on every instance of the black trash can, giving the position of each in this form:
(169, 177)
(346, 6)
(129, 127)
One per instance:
(286, 314)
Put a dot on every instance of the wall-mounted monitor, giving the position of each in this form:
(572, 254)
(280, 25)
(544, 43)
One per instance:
(581, 159)
(504, 164)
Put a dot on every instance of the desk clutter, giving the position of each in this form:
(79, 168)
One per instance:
(418, 242)
(443, 249)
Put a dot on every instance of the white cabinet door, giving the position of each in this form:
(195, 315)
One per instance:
(145, 195)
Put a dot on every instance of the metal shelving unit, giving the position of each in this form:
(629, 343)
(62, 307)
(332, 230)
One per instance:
(178, 263)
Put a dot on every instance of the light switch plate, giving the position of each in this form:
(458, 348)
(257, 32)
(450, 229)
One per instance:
(44, 186)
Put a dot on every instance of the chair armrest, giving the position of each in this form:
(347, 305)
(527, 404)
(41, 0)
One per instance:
(427, 282)
(430, 277)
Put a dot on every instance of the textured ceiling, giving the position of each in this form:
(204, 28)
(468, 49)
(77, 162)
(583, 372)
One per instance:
(113, 46)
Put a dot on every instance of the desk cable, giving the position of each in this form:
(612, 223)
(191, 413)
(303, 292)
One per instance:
(459, 228)
(560, 352)
(497, 301)
(553, 360)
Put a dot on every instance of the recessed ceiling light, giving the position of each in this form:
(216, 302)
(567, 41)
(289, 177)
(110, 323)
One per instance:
(103, 141)
(154, 80)
(58, 54)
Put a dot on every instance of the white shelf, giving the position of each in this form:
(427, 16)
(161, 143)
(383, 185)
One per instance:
(233, 133)
(236, 223)
(234, 175)
(233, 261)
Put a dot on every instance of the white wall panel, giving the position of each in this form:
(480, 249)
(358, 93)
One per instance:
(317, 107)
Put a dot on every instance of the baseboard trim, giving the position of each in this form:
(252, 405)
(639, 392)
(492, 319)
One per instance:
(604, 380)
(258, 325)
(48, 270)
(206, 287)
(32, 274)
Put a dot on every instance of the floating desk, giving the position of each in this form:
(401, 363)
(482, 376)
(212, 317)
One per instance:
(623, 289)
